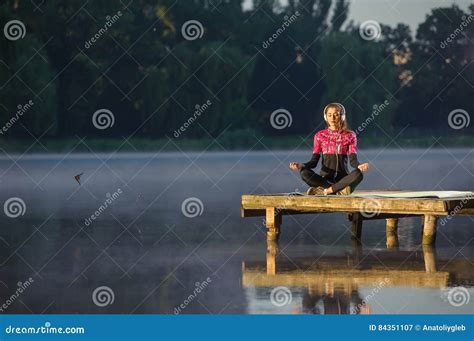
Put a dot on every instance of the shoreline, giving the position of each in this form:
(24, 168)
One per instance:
(174, 154)
(287, 143)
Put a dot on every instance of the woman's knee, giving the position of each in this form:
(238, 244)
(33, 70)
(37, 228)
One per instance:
(306, 173)
(359, 175)
(356, 175)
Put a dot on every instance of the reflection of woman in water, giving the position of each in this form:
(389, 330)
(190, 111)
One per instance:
(337, 303)
(338, 145)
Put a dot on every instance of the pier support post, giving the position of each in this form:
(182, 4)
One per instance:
(273, 222)
(392, 233)
(422, 226)
(429, 229)
(356, 226)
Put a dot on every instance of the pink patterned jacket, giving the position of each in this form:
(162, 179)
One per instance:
(338, 148)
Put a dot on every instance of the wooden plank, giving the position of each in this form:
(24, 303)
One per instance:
(338, 203)
(246, 213)
(459, 204)
(346, 278)
(465, 211)
(249, 213)
(461, 207)
(390, 215)
(345, 204)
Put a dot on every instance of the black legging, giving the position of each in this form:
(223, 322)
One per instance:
(327, 180)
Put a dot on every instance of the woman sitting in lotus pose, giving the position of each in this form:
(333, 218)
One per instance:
(338, 146)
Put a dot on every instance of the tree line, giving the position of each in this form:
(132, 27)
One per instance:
(152, 64)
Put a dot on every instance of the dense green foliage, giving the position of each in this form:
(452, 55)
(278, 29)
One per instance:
(151, 78)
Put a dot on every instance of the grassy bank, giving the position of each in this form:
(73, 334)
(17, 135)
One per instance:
(226, 142)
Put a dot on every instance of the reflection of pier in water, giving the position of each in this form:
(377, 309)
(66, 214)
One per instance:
(335, 280)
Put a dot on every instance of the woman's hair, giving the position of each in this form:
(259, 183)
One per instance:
(344, 125)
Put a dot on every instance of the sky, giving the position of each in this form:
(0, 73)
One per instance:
(392, 12)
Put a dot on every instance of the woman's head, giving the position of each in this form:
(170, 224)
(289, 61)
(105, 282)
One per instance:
(335, 116)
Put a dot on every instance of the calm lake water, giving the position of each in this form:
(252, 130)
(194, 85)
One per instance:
(142, 254)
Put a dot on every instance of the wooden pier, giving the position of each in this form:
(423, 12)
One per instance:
(361, 206)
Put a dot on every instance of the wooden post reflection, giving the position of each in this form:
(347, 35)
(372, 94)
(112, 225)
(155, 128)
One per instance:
(392, 233)
(356, 252)
(429, 255)
(272, 250)
(356, 228)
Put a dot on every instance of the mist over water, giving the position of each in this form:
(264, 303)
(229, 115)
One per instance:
(154, 254)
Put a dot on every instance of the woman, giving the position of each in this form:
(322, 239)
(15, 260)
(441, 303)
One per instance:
(338, 145)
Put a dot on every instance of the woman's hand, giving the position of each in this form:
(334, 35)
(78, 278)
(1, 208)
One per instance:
(363, 167)
(296, 166)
